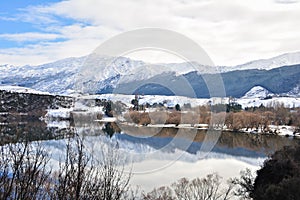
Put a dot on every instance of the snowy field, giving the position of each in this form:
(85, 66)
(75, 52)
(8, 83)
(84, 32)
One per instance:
(254, 97)
(19, 89)
(173, 100)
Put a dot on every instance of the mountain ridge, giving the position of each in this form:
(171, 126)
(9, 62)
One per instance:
(286, 59)
(106, 73)
(279, 81)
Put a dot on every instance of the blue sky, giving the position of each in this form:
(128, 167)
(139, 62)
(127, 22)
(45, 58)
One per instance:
(231, 31)
(13, 20)
(10, 15)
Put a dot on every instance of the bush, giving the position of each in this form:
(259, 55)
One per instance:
(189, 118)
(174, 118)
(110, 128)
(138, 117)
(279, 178)
(158, 117)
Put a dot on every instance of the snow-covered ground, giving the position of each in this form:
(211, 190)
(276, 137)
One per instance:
(289, 102)
(255, 97)
(61, 124)
(173, 100)
(284, 130)
(20, 89)
(151, 99)
(261, 96)
(63, 113)
(107, 119)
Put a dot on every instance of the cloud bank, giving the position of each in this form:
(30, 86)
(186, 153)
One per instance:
(231, 31)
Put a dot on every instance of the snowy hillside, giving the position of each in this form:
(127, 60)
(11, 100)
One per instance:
(261, 92)
(289, 102)
(56, 77)
(295, 92)
(271, 63)
(258, 92)
(103, 73)
(245, 102)
(61, 76)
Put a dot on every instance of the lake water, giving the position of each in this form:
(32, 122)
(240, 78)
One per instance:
(157, 156)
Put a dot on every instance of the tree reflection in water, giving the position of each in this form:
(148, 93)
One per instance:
(110, 128)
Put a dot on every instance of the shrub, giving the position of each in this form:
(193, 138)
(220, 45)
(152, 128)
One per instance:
(158, 117)
(279, 178)
(174, 118)
(138, 117)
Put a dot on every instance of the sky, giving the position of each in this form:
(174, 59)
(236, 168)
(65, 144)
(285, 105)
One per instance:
(230, 31)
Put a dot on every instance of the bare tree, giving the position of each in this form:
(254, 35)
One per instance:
(24, 174)
(207, 188)
(23, 171)
(162, 193)
(245, 184)
(115, 182)
(182, 189)
(82, 177)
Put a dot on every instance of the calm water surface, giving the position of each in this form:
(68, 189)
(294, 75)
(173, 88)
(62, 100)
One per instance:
(155, 156)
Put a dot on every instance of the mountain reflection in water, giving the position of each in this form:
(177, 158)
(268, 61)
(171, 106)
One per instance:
(231, 143)
(151, 152)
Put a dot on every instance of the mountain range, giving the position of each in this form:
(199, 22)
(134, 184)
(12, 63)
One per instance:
(104, 74)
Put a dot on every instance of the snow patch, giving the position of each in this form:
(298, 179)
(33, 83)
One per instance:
(63, 113)
(288, 102)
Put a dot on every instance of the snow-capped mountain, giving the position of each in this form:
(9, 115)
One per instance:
(258, 92)
(103, 73)
(61, 76)
(56, 77)
(267, 64)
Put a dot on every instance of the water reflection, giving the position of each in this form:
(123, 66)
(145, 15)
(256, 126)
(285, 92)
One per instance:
(229, 142)
(111, 128)
(236, 144)
(34, 130)
(154, 152)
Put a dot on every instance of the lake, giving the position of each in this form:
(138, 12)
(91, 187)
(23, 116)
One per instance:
(156, 156)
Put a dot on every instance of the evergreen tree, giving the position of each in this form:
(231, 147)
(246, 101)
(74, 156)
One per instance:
(108, 109)
(177, 107)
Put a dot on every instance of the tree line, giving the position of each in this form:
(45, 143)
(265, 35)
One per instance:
(231, 115)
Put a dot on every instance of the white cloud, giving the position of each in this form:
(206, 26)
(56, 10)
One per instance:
(286, 1)
(21, 37)
(47, 52)
(232, 32)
